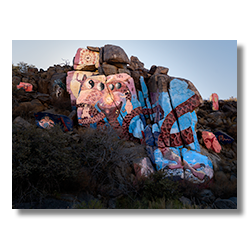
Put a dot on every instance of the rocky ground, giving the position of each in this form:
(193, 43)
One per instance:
(220, 193)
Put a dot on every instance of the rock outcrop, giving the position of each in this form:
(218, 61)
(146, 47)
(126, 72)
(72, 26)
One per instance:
(56, 90)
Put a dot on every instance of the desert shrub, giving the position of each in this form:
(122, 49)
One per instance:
(108, 164)
(158, 186)
(47, 160)
(42, 162)
(224, 188)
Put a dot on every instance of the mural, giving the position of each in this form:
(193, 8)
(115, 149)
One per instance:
(223, 138)
(46, 121)
(59, 87)
(215, 101)
(86, 60)
(28, 87)
(165, 124)
(211, 141)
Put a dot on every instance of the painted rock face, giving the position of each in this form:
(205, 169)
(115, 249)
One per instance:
(215, 101)
(99, 99)
(113, 100)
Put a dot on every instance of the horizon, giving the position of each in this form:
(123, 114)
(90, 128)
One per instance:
(211, 65)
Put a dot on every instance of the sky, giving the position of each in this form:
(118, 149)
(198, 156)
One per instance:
(211, 65)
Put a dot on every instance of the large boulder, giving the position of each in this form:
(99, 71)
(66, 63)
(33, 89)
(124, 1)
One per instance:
(135, 63)
(114, 54)
(86, 60)
(109, 69)
(20, 122)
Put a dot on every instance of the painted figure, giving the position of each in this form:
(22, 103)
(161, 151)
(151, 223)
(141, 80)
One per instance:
(46, 120)
(214, 99)
(113, 100)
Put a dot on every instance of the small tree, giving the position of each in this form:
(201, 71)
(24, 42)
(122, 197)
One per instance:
(22, 67)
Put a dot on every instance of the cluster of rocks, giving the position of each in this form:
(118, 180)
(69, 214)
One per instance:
(43, 97)
(113, 60)
(223, 120)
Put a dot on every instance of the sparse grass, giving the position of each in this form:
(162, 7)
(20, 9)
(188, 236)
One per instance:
(231, 99)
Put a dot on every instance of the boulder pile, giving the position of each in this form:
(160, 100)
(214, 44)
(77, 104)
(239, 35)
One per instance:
(49, 94)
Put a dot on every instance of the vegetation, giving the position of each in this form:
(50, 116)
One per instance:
(21, 67)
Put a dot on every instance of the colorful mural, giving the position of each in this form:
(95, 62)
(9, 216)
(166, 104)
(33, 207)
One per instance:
(86, 60)
(59, 86)
(211, 141)
(214, 99)
(223, 138)
(46, 121)
(28, 87)
(165, 124)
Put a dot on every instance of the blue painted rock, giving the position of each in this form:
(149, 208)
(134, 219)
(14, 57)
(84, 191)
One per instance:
(46, 121)
(223, 137)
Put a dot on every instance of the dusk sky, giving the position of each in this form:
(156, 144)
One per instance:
(210, 64)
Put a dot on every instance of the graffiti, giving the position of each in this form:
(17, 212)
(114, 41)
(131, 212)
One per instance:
(214, 99)
(166, 127)
(28, 87)
(86, 60)
(211, 141)
(59, 87)
(46, 121)
(223, 138)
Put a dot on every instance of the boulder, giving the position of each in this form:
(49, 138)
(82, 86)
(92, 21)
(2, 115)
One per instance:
(86, 60)
(16, 80)
(119, 71)
(161, 70)
(233, 131)
(225, 204)
(28, 107)
(143, 167)
(96, 49)
(114, 54)
(136, 77)
(36, 105)
(20, 122)
(152, 69)
(135, 63)
(109, 69)
(43, 86)
(206, 196)
(158, 83)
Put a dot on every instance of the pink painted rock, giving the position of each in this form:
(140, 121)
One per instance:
(211, 141)
(26, 86)
(86, 60)
(215, 101)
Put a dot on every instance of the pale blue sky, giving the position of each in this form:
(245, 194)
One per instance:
(210, 64)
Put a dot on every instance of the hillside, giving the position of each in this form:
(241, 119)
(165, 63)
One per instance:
(93, 168)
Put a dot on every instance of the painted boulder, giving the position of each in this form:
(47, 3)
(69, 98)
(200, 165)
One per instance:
(28, 87)
(46, 121)
(86, 60)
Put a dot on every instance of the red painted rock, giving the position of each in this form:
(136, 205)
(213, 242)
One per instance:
(215, 101)
(26, 86)
(211, 141)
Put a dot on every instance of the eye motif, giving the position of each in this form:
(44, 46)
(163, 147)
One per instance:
(118, 85)
(111, 86)
(90, 84)
(100, 86)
